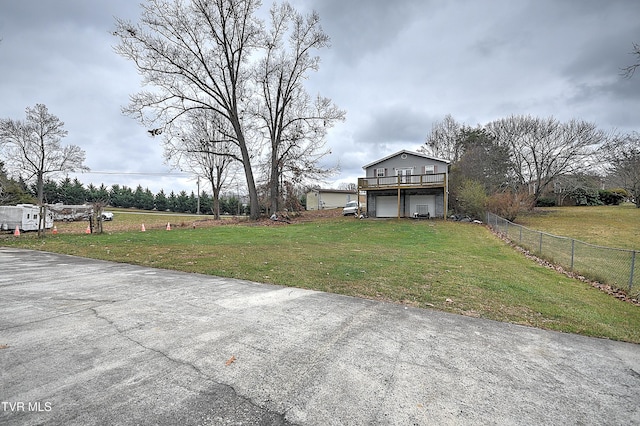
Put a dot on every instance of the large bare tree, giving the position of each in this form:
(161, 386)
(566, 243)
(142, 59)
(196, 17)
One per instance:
(203, 147)
(628, 71)
(622, 155)
(207, 55)
(194, 55)
(294, 123)
(32, 149)
(444, 140)
(542, 149)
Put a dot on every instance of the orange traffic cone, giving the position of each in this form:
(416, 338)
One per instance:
(17, 231)
(88, 231)
(168, 226)
(142, 228)
(55, 230)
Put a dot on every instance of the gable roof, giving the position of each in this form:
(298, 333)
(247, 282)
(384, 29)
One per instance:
(404, 151)
(332, 191)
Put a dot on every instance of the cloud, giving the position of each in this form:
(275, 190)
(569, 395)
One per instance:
(395, 67)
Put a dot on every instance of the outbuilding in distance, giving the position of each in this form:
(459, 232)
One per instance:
(320, 199)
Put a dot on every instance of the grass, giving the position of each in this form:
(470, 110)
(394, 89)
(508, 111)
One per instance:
(609, 226)
(453, 267)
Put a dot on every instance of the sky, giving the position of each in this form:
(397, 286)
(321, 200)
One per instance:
(396, 67)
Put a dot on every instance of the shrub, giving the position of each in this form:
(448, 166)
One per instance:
(508, 204)
(546, 202)
(585, 197)
(472, 199)
(611, 197)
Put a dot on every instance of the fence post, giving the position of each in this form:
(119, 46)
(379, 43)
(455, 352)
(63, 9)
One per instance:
(633, 265)
(540, 243)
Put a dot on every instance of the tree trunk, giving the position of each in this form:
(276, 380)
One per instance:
(216, 201)
(254, 206)
(41, 219)
(274, 180)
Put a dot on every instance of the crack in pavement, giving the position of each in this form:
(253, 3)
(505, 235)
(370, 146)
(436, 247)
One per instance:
(49, 318)
(188, 365)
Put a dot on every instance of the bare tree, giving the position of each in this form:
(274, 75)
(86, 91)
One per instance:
(622, 154)
(33, 150)
(293, 122)
(202, 147)
(543, 149)
(444, 140)
(631, 69)
(196, 56)
(348, 186)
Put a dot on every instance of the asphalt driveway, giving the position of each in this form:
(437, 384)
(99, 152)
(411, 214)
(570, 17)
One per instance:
(92, 342)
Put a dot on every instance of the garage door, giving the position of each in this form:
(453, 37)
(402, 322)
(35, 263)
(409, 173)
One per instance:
(421, 204)
(387, 206)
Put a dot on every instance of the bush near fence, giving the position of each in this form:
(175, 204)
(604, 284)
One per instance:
(618, 268)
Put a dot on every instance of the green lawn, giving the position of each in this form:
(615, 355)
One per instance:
(454, 267)
(609, 226)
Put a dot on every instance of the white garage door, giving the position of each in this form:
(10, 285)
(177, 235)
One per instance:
(418, 204)
(387, 206)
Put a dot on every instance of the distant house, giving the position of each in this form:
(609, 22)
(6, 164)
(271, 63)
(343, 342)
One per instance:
(406, 184)
(319, 199)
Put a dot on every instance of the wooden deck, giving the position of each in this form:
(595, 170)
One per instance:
(434, 180)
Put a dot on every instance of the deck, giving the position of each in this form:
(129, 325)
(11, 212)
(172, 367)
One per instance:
(433, 180)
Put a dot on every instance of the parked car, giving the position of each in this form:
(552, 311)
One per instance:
(350, 209)
(107, 216)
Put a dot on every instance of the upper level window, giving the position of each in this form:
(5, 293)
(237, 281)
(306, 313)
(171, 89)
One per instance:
(429, 169)
(379, 172)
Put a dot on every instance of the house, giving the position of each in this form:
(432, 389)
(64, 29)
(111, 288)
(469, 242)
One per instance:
(406, 184)
(319, 199)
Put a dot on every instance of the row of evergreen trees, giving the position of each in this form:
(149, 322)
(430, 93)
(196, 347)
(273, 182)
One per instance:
(73, 192)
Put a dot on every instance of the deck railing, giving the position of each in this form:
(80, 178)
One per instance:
(403, 181)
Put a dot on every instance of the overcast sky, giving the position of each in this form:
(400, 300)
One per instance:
(396, 67)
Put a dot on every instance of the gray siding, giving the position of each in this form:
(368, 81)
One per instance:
(411, 161)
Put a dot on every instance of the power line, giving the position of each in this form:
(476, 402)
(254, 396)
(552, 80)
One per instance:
(136, 173)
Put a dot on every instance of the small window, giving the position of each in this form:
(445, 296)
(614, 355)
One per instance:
(430, 169)
(28, 215)
(379, 172)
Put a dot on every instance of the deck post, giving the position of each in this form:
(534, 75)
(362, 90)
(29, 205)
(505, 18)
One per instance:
(446, 196)
(398, 197)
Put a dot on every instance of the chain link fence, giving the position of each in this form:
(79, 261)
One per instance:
(619, 268)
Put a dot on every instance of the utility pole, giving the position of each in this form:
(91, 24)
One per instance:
(198, 197)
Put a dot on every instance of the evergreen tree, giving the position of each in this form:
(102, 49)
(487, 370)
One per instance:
(64, 191)
(11, 191)
(182, 202)
(114, 195)
(50, 192)
(138, 198)
(161, 202)
(173, 202)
